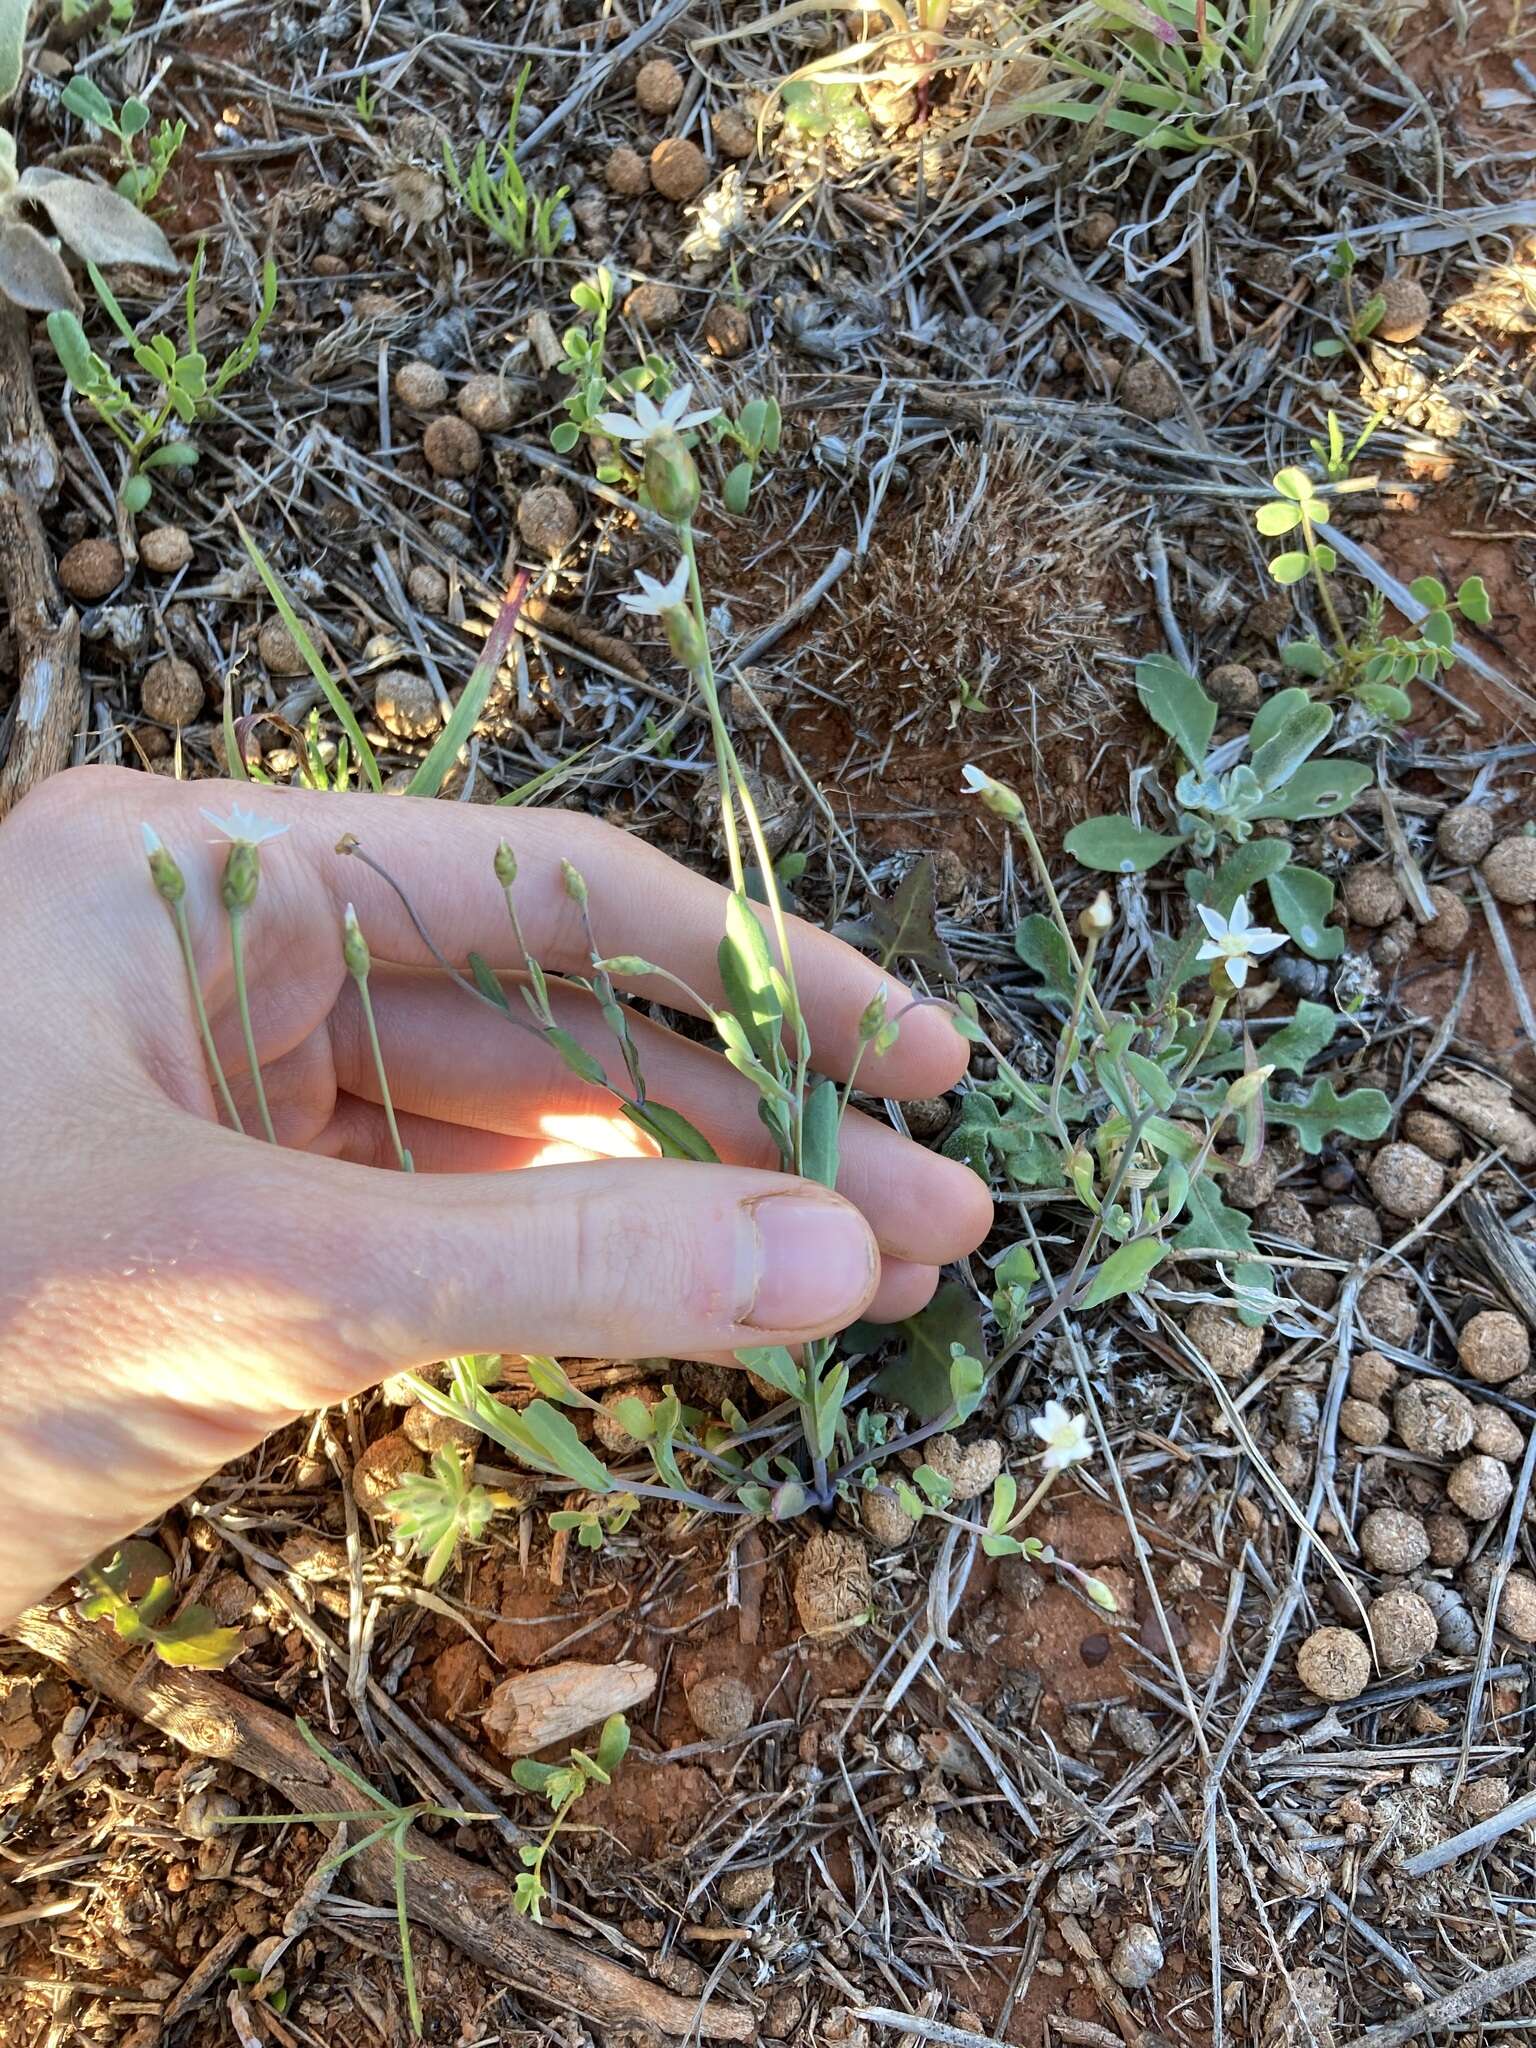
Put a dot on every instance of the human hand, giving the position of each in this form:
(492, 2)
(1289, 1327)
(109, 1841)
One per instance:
(171, 1291)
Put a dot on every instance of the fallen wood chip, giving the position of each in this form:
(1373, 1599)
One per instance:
(536, 1708)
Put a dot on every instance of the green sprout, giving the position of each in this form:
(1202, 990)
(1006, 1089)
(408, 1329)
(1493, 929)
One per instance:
(562, 1785)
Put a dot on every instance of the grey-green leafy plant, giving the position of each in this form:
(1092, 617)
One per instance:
(139, 182)
(1372, 666)
(434, 1512)
(186, 390)
(562, 1785)
(1361, 317)
(755, 431)
(133, 1588)
(99, 225)
(393, 1828)
(503, 202)
(1220, 796)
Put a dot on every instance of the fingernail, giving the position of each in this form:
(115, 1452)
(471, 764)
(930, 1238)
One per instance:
(814, 1263)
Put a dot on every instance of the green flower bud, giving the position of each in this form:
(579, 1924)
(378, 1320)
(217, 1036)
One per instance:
(873, 1018)
(505, 865)
(1098, 920)
(685, 638)
(163, 871)
(1100, 1595)
(1246, 1089)
(242, 876)
(575, 887)
(354, 947)
(1000, 800)
(671, 478)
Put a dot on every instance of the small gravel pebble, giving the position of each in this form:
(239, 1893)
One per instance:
(1334, 1663)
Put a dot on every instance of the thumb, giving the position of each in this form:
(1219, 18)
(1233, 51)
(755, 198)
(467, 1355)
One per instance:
(616, 1259)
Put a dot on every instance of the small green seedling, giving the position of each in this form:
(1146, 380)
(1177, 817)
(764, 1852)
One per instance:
(562, 1785)
(394, 1828)
(366, 102)
(756, 433)
(501, 200)
(1360, 320)
(186, 393)
(84, 98)
(435, 1511)
(132, 1587)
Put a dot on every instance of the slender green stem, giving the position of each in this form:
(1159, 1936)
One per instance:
(1218, 1011)
(242, 1001)
(1325, 595)
(1067, 1047)
(402, 1157)
(204, 1030)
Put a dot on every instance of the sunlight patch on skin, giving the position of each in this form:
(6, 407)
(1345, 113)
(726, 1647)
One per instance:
(574, 1135)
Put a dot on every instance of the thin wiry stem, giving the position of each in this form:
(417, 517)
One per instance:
(403, 1157)
(242, 1003)
(204, 1029)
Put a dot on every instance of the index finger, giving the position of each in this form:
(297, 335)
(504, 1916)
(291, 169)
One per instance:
(640, 902)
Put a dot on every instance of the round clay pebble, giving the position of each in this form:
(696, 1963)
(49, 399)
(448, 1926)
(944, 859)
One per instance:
(451, 446)
(430, 1432)
(1405, 310)
(1449, 1539)
(1517, 1607)
(1406, 1181)
(1286, 1216)
(1136, 1957)
(381, 1468)
(428, 588)
(658, 85)
(1480, 1486)
(1348, 1230)
(1403, 1628)
(721, 1708)
(1235, 687)
(969, 1468)
(1334, 1663)
(406, 704)
(1464, 834)
(606, 1426)
(1390, 1312)
(1363, 1423)
(1392, 1540)
(165, 549)
(655, 306)
(1371, 1377)
(1433, 1134)
(1092, 233)
(734, 134)
(832, 1583)
(1433, 1419)
(421, 386)
(1272, 271)
(1372, 894)
(1229, 1347)
(627, 173)
(886, 1522)
(1497, 1434)
(1147, 390)
(92, 569)
(486, 403)
(279, 651)
(1509, 871)
(1315, 1284)
(1494, 1346)
(171, 692)
(1484, 1797)
(1249, 1187)
(547, 519)
(727, 330)
(679, 170)
(1446, 932)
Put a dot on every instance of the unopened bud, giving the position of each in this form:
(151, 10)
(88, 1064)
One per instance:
(163, 871)
(242, 876)
(628, 966)
(505, 865)
(354, 947)
(686, 638)
(1098, 920)
(575, 887)
(1000, 800)
(1100, 1595)
(671, 478)
(1246, 1089)
(873, 1018)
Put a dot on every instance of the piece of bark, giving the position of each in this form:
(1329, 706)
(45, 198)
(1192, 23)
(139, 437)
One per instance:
(536, 1708)
(468, 1906)
(46, 630)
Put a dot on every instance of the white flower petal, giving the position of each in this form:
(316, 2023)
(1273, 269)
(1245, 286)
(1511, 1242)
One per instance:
(1213, 921)
(1237, 969)
(619, 426)
(646, 413)
(1237, 923)
(151, 838)
(1261, 941)
(243, 827)
(1211, 950)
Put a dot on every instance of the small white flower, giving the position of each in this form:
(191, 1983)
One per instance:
(1234, 941)
(647, 418)
(243, 827)
(656, 599)
(1000, 800)
(1064, 1435)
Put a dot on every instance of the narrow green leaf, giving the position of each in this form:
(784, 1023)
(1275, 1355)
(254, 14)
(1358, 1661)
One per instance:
(1041, 946)
(1126, 1269)
(1297, 738)
(819, 1139)
(487, 983)
(746, 974)
(1174, 699)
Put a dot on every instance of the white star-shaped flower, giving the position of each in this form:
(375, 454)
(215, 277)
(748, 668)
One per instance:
(1064, 1435)
(656, 599)
(646, 418)
(1234, 941)
(243, 827)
